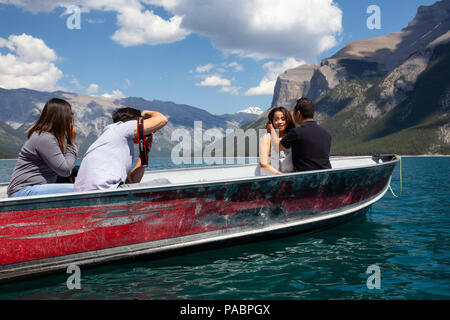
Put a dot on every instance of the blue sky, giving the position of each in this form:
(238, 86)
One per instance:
(222, 56)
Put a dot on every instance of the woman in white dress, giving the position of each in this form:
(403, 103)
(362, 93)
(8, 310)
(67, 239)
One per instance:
(271, 159)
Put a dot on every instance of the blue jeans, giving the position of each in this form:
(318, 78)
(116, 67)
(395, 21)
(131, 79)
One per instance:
(39, 189)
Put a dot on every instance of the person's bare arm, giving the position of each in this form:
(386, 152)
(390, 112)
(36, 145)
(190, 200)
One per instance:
(153, 121)
(136, 174)
(264, 149)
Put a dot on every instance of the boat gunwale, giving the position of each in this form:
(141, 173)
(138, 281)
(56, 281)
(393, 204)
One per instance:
(137, 189)
(248, 165)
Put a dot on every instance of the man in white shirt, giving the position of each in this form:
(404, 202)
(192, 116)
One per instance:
(108, 161)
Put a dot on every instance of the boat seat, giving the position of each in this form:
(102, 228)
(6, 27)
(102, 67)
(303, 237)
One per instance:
(151, 183)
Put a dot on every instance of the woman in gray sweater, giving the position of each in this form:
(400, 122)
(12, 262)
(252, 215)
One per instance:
(50, 151)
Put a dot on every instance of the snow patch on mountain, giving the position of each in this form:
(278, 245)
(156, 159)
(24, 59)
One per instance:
(252, 110)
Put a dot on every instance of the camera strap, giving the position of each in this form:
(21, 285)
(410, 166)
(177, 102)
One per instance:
(143, 153)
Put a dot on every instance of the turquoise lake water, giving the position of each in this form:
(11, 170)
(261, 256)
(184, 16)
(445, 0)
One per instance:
(408, 238)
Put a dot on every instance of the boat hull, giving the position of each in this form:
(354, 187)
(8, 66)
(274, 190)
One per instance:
(47, 234)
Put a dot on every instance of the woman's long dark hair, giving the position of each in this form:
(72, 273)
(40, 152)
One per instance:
(56, 118)
(290, 124)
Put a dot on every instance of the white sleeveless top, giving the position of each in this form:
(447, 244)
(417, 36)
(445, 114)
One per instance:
(275, 159)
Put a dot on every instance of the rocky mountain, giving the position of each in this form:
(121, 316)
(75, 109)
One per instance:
(366, 58)
(386, 94)
(19, 108)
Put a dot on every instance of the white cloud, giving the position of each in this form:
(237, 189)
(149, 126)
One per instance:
(225, 66)
(29, 64)
(137, 25)
(219, 81)
(231, 90)
(260, 29)
(204, 68)
(38, 6)
(95, 21)
(214, 81)
(234, 65)
(267, 84)
(93, 88)
(116, 94)
(76, 83)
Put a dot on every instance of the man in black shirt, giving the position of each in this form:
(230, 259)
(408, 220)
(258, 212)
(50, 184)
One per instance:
(310, 143)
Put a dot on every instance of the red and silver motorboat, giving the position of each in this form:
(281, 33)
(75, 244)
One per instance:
(172, 210)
